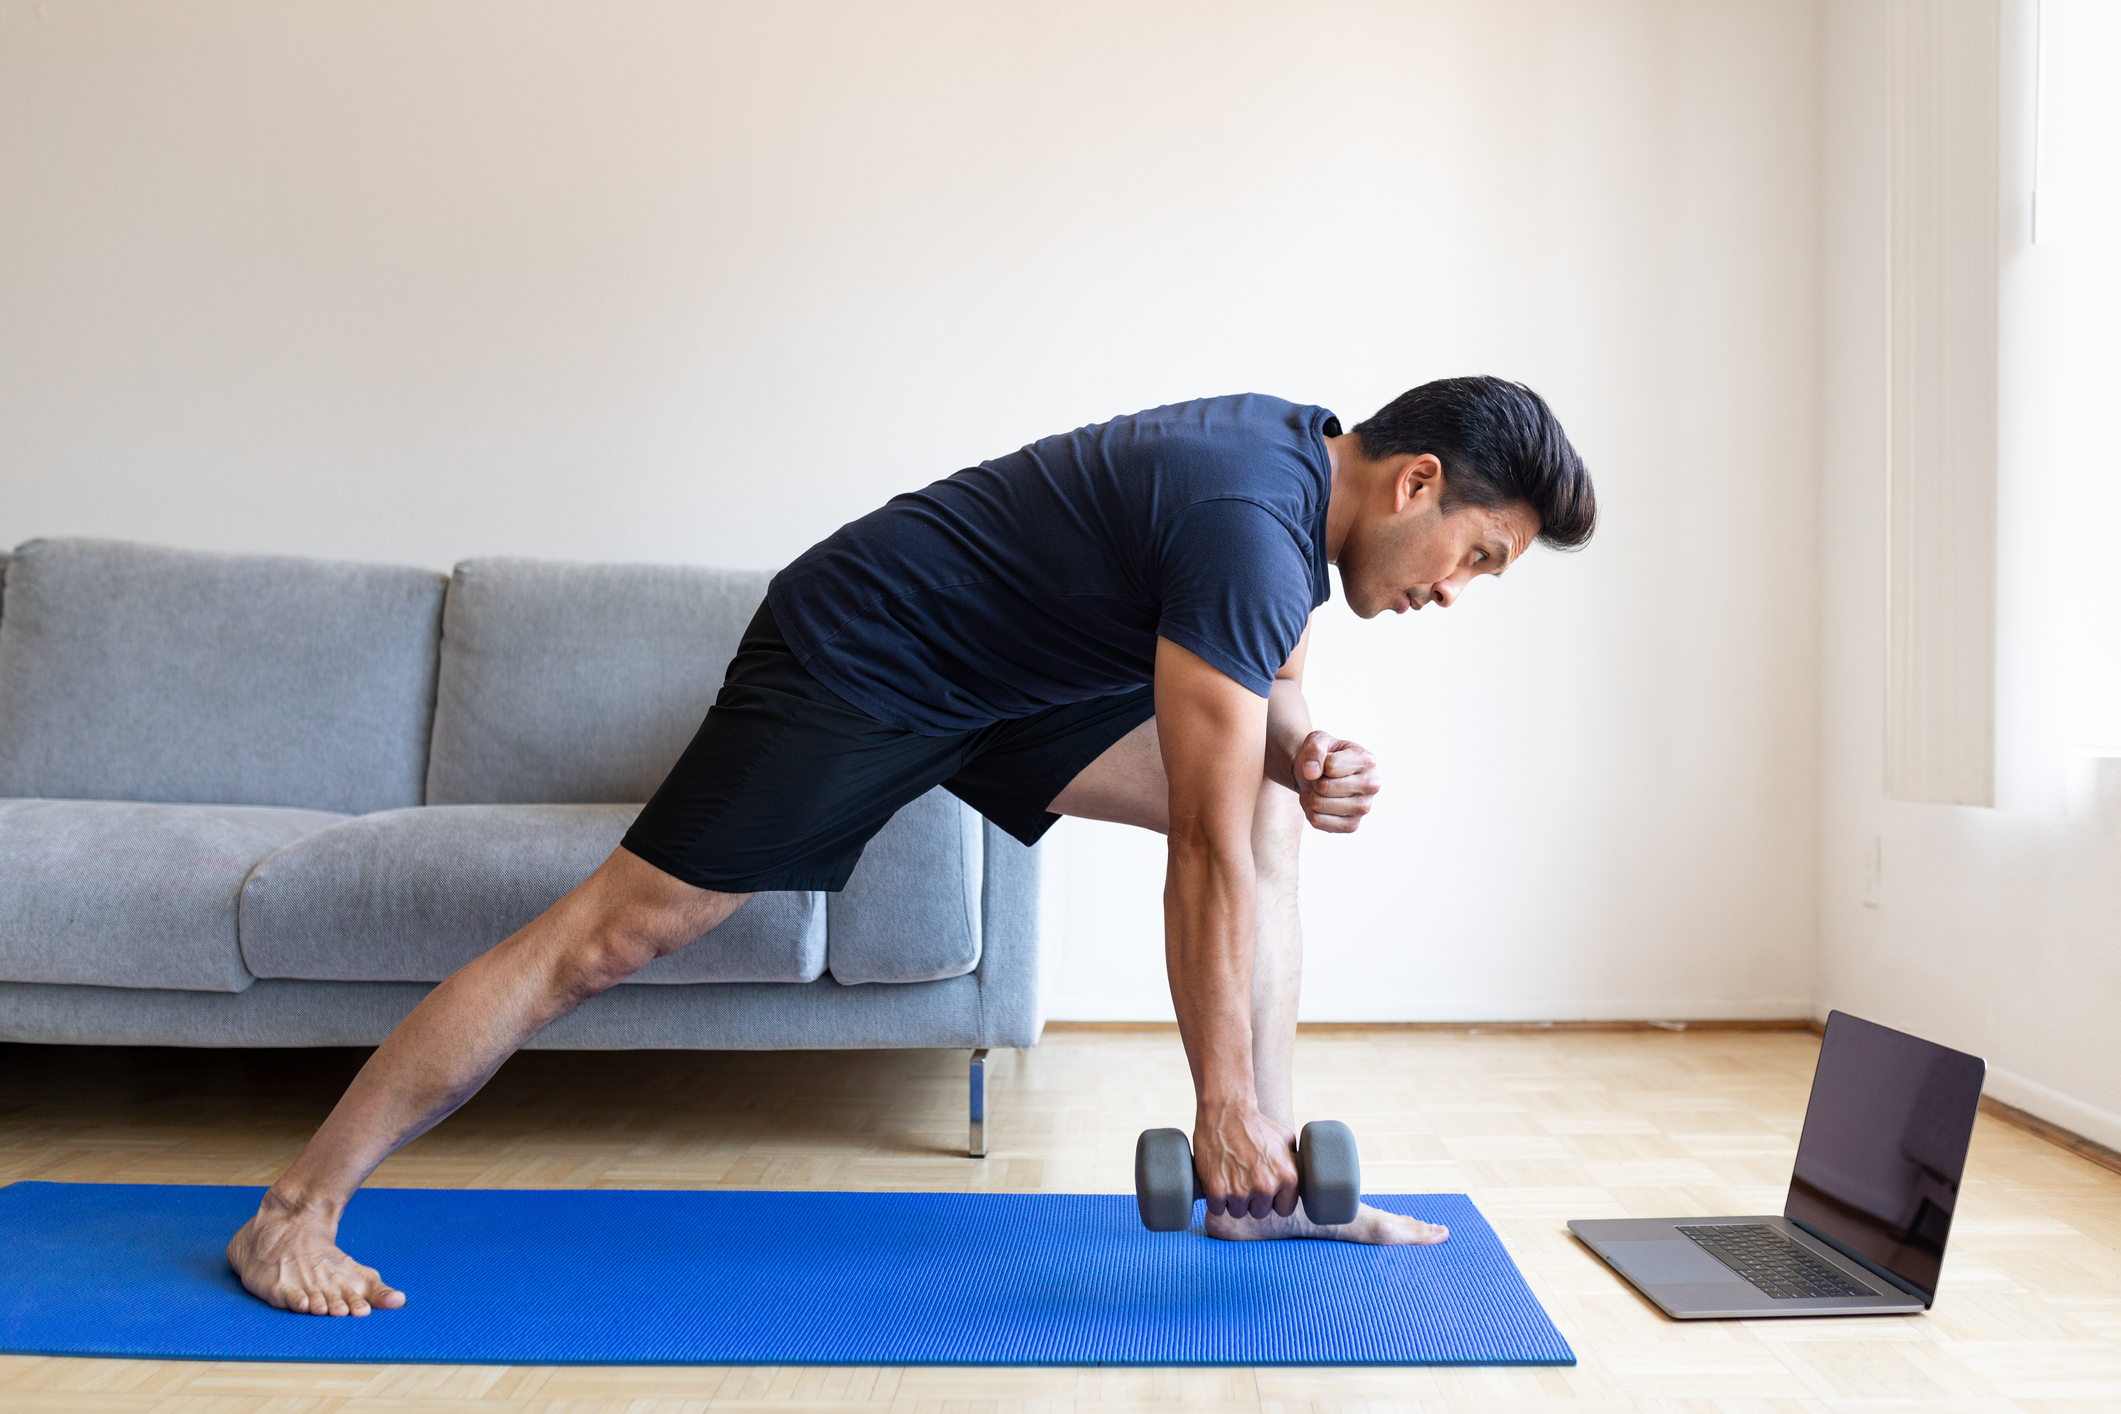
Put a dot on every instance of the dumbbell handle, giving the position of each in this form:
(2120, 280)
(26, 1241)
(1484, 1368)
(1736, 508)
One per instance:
(1200, 1192)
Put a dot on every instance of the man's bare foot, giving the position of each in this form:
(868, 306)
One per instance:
(288, 1259)
(1371, 1225)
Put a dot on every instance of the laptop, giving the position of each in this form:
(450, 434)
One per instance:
(1870, 1204)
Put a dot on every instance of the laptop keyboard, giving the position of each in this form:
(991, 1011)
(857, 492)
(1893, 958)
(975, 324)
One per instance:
(1772, 1262)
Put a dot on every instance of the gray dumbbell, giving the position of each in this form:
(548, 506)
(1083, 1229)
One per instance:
(1328, 1176)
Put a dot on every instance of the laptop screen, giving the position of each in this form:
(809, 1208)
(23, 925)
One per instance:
(1884, 1145)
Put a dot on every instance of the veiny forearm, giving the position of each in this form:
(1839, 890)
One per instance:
(1209, 902)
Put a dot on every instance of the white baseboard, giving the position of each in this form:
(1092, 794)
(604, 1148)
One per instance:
(2046, 1102)
(1337, 1010)
(1654, 1009)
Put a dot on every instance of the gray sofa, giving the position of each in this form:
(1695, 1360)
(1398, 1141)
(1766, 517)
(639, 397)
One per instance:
(256, 801)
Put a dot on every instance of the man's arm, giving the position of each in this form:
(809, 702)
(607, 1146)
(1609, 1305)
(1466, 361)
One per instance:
(1213, 735)
(1335, 777)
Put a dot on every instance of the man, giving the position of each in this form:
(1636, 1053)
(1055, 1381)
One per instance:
(1110, 624)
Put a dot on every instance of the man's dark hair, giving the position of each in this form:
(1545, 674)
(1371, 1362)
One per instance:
(1499, 442)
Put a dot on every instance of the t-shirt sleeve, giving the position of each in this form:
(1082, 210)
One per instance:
(1236, 589)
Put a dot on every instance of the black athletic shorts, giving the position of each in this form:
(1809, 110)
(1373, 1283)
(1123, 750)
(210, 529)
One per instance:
(785, 782)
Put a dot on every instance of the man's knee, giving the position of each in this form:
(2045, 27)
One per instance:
(624, 917)
(613, 948)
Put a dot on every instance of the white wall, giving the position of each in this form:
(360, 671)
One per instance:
(1989, 930)
(698, 282)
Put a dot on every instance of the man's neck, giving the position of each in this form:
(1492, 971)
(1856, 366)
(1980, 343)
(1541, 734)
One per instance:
(1345, 491)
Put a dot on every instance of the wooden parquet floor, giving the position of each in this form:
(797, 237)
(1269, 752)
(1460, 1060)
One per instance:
(1538, 1127)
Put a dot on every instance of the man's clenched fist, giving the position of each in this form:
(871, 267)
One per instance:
(1337, 781)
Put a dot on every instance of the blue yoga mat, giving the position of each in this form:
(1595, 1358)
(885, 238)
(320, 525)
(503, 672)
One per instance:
(742, 1278)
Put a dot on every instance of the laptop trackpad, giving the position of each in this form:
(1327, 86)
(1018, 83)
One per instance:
(1674, 1259)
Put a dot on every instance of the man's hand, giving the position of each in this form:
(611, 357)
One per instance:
(1337, 781)
(1246, 1162)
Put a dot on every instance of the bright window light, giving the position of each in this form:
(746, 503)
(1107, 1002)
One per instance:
(2077, 225)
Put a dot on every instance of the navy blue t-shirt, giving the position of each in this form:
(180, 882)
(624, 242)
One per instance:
(1046, 576)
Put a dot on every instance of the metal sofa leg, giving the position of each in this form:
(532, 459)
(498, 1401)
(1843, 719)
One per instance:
(979, 1103)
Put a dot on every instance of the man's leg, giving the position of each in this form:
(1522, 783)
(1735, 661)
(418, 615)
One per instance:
(624, 916)
(1127, 785)
(1277, 983)
(1277, 951)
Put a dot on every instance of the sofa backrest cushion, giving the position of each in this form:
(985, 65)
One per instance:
(576, 684)
(131, 672)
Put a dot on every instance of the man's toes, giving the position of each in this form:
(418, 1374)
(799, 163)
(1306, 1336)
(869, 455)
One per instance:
(374, 1293)
(1425, 1234)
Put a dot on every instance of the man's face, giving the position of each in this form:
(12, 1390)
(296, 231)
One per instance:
(1405, 553)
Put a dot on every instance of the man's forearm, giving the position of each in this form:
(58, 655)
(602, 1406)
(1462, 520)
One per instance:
(1288, 723)
(1209, 900)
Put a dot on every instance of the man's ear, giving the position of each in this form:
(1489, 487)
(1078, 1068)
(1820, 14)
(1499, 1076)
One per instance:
(1422, 471)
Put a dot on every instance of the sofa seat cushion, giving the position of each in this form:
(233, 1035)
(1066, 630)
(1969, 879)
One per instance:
(911, 909)
(413, 895)
(123, 894)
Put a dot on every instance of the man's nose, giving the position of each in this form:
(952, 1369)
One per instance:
(1443, 593)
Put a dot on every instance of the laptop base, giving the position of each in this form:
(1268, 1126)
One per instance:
(1686, 1282)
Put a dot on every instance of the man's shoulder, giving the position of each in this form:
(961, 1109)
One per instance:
(1244, 442)
(1231, 417)
(1253, 448)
